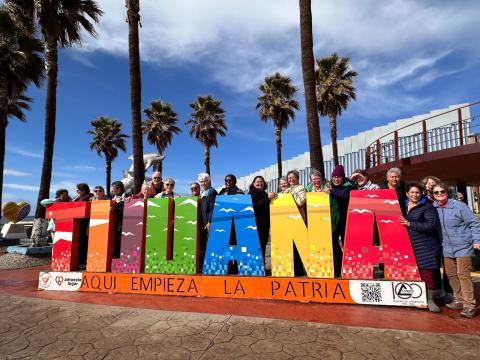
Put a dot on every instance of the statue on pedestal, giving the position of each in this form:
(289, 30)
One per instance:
(149, 160)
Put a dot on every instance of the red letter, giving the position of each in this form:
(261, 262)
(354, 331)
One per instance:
(67, 233)
(395, 250)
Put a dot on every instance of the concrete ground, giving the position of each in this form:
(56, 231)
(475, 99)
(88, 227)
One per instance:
(48, 329)
(61, 325)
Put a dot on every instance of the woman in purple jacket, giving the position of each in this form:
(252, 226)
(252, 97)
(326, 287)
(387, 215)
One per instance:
(460, 235)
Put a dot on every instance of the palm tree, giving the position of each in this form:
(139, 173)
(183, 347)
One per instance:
(133, 19)
(308, 69)
(20, 64)
(61, 23)
(278, 104)
(207, 121)
(160, 126)
(107, 139)
(335, 89)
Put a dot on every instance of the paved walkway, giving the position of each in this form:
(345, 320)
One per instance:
(47, 329)
(47, 324)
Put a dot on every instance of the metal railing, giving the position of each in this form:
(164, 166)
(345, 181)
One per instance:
(426, 141)
(393, 146)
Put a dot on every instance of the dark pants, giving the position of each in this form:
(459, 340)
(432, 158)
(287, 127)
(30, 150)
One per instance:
(428, 276)
(337, 239)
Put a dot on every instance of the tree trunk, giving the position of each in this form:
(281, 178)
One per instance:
(207, 159)
(3, 131)
(108, 170)
(308, 69)
(133, 18)
(51, 69)
(3, 128)
(278, 140)
(333, 134)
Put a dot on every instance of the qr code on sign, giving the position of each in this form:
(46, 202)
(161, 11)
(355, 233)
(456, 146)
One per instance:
(371, 292)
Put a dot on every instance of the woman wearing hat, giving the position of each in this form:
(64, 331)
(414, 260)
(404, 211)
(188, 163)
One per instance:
(339, 196)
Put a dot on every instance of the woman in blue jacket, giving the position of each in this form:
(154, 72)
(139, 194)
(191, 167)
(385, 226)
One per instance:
(422, 224)
(460, 235)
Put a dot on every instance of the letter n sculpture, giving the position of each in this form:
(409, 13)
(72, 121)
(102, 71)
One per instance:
(371, 212)
(233, 237)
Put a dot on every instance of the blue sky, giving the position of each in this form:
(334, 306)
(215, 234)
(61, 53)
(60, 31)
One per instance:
(411, 56)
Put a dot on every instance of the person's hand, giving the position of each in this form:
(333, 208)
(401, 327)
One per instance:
(207, 227)
(403, 221)
(271, 195)
(353, 176)
(476, 246)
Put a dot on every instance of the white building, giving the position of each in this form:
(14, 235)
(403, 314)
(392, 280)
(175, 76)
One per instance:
(352, 149)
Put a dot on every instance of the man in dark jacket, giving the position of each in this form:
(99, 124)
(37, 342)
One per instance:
(230, 186)
(394, 182)
(339, 196)
(207, 195)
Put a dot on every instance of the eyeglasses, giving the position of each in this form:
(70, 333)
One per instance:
(228, 180)
(439, 192)
(98, 190)
(168, 184)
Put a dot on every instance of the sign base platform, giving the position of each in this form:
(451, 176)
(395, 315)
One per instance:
(333, 291)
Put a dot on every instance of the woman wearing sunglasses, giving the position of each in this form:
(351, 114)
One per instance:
(460, 235)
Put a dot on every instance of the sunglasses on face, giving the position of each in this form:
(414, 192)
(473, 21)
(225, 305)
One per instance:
(168, 184)
(439, 192)
(194, 189)
(228, 180)
(98, 190)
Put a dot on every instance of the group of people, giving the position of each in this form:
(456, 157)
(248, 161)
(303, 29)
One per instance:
(443, 230)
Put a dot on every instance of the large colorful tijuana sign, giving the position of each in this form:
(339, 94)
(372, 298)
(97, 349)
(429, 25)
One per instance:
(160, 251)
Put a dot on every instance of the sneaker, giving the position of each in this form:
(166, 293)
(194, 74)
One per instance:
(455, 305)
(468, 313)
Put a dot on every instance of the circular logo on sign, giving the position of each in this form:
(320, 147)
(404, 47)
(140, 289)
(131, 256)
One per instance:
(408, 290)
(45, 279)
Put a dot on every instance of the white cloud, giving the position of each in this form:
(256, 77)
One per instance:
(384, 76)
(84, 167)
(13, 172)
(22, 187)
(241, 42)
(24, 152)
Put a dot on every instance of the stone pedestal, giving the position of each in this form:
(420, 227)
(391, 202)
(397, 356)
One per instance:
(13, 231)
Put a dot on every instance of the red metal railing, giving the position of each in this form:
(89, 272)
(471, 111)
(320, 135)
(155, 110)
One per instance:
(434, 139)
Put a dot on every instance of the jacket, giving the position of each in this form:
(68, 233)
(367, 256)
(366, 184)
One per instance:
(207, 205)
(460, 228)
(369, 186)
(424, 235)
(401, 194)
(339, 196)
(232, 191)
